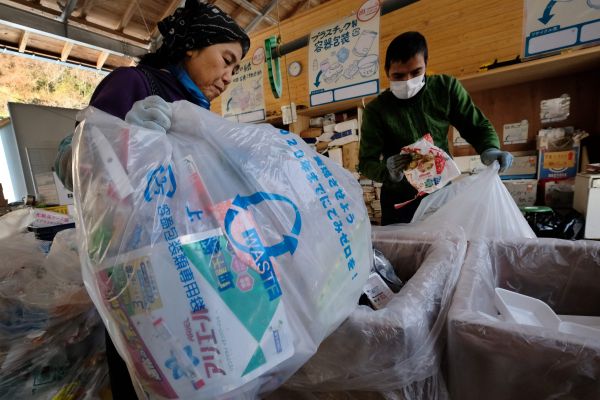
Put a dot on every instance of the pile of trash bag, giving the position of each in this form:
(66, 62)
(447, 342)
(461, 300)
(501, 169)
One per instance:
(51, 337)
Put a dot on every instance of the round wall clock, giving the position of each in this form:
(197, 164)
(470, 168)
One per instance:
(294, 68)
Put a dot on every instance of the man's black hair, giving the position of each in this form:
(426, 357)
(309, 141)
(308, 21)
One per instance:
(404, 47)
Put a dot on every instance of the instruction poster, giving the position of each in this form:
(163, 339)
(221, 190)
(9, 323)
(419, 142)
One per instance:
(344, 57)
(244, 99)
(552, 25)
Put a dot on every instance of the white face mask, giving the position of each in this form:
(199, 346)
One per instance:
(407, 89)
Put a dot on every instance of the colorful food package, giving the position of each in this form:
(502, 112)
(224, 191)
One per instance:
(431, 168)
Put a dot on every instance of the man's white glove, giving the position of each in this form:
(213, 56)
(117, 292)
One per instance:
(152, 112)
(504, 158)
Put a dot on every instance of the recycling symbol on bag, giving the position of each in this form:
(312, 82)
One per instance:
(160, 182)
(253, 243)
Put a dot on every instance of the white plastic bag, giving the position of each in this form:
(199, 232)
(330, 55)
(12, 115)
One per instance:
(220, 255)
(480, 204)
(15, 222)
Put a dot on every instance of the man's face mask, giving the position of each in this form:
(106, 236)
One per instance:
(407, 89)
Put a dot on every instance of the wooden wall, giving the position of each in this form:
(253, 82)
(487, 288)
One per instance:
(462, 36)
(511, 104)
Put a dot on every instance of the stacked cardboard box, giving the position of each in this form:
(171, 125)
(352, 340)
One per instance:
(371, 196)
(558, 164)
(523, 191)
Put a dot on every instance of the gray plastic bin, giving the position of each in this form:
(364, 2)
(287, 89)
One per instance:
(496, 360)
(394, 352)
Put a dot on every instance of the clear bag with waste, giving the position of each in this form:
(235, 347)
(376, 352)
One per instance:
(51, 337)
(220, 255)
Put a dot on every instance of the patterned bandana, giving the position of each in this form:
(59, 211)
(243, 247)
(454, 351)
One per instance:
(198, 25)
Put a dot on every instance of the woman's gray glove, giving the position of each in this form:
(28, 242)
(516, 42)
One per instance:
(152, 112)
(396, 165)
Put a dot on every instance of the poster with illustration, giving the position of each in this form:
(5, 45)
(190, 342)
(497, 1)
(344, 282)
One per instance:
(344, 57)
(244, 99)
(554, 25)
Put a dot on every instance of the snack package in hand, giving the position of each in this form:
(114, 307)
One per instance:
(431, 168)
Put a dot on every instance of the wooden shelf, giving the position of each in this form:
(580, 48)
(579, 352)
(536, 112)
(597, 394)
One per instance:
(569, 62)
(334, 107)
(274, 120)
(566, 63)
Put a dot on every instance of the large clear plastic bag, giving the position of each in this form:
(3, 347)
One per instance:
(394, 352)
(51, 337)
(493, 359)
(220, 255)
(480, 204)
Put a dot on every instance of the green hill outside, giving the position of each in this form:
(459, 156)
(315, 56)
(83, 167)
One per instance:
(26, 80)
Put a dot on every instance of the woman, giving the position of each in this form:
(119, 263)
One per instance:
(202, 47)
(201, 50)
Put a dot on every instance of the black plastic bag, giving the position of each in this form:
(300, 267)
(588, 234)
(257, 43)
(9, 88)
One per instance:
(553, 223)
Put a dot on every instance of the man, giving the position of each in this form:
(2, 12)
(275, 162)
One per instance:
(415, 105)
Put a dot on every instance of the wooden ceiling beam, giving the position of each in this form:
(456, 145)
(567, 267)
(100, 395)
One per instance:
(67, 10)
(107, 32)
(86, 7)
(175, 4)
(102, 59)
(263, 15)
(119, 44)
(23, 41)
(35, 5)
(236, 13)
(299, 6)
(66, 50)
(127, 16)
(251, 7)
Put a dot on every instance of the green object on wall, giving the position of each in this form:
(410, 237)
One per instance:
(274, 71)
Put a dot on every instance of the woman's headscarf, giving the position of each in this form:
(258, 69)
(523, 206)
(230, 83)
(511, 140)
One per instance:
(198, 25)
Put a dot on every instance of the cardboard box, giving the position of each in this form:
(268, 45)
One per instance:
(350, 156)
(559, 193)
(322, 146)
(311, 133)
(469, 164)
(558, 164)
(301, 123)
(523, 191)
(335, 154)
(523, 167)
